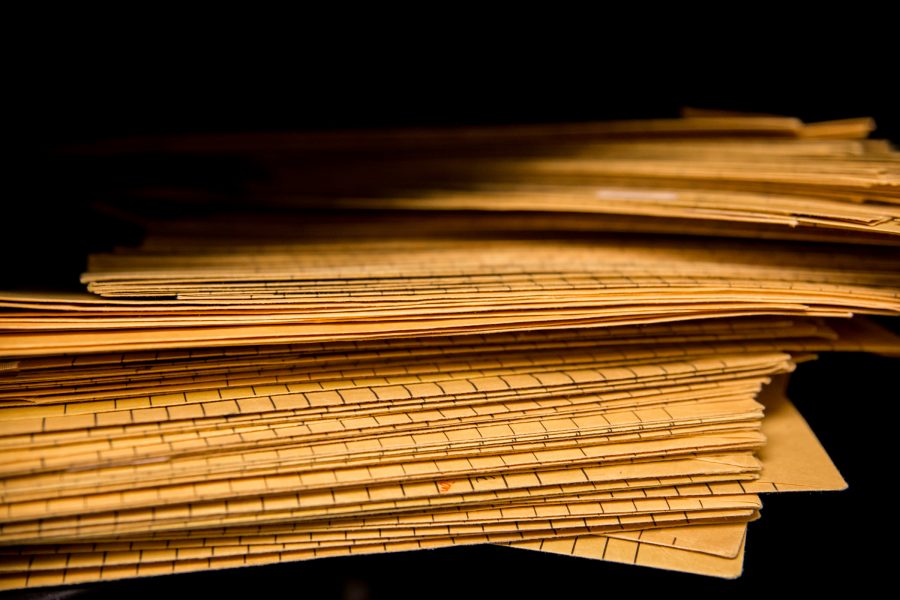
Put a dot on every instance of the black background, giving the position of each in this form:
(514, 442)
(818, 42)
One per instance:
(804, 542)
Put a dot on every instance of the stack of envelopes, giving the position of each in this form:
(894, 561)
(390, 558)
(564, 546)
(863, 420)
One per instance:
(431, 369)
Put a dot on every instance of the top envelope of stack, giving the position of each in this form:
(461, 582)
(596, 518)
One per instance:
(707, 173)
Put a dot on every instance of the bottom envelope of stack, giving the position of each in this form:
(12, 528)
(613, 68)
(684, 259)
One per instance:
(792, 460)
(644, 445)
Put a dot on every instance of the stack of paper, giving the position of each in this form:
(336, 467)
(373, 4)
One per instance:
(715, 174)
(257, 388)
(194, 291)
